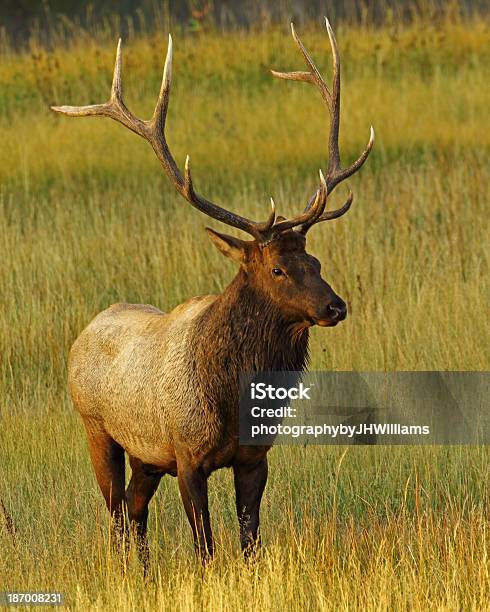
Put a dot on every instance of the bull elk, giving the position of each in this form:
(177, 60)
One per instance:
(164, 387)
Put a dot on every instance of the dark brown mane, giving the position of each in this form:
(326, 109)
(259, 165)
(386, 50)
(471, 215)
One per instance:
(246, 332)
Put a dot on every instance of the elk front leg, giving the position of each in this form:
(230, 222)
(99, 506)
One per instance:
(193, 486)
(250, 480)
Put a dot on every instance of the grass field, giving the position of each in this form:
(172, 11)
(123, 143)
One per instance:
(87, 218)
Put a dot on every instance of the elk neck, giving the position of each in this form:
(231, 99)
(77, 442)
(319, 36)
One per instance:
(244, 331)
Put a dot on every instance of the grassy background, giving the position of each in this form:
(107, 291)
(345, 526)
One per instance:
(88, 219)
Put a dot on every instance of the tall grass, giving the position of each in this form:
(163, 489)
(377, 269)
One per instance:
(382, 529)
(87, 218)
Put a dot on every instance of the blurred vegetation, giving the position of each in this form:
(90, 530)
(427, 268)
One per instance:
(49, 20)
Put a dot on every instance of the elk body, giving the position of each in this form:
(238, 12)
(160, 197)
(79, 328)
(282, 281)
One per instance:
(164, 387)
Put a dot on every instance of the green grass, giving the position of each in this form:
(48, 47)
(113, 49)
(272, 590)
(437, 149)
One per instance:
(88, 219)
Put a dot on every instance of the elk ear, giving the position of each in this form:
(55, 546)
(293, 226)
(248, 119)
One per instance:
(231, 247)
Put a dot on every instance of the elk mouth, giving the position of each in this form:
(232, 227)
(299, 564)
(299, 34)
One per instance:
(326, 323)
(310, 322)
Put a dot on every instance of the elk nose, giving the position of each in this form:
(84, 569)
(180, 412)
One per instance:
(337, 311)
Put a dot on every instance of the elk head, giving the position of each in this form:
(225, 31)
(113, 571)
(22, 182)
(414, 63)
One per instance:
(275, 262)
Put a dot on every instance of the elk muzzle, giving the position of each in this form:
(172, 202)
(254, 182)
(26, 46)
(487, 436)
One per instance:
(334, 312)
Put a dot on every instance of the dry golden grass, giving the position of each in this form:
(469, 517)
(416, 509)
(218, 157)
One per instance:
(88, 219)
(376, 529)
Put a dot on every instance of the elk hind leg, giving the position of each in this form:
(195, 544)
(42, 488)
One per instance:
(142, 486)
(108, 462)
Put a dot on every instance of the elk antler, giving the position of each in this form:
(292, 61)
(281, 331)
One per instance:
(154, 132)
(335, 173)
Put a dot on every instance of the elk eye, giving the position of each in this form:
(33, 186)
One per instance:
(277, 272)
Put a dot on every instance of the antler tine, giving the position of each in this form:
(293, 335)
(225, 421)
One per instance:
(116, 89)
(334, 154)
(335, 173)
(308, 216)
(329, 215)
(154, 132)
(312, 76)
(114, 108)
(160, 113)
